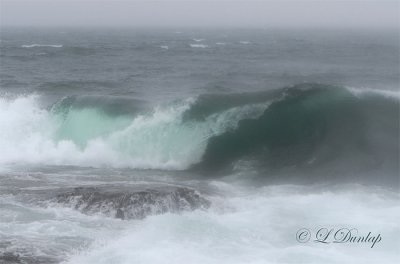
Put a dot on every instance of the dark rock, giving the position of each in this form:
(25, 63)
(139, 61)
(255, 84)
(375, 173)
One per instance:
(133, 204)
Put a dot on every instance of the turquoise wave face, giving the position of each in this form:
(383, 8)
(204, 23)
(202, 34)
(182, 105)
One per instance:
(306, 126)
(82, 125)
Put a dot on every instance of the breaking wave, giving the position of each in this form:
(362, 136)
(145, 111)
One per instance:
(304, 126)
(114, 132)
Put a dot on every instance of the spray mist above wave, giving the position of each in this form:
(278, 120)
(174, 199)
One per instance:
(304, 126)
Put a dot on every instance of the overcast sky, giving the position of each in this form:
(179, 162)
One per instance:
(217, 13)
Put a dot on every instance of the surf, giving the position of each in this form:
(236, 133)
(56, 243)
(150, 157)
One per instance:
(305, 126)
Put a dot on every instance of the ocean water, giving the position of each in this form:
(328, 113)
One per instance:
(199, 146)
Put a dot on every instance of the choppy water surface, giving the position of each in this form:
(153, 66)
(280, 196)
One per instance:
(198, 146)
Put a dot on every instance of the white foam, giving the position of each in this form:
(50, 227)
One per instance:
(198, 40)
(199, 46)
(164, 47)
(158, 140)
(35, 231)
(260, 227)
(368, 91)
(41, 45)
(245, 42)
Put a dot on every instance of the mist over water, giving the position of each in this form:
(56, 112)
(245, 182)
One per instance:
(197, 146)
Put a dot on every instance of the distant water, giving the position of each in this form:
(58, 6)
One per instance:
(207, 146)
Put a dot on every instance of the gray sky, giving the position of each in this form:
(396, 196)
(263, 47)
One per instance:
(217, 13)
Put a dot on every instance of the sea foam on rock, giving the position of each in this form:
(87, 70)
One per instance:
(132, 204)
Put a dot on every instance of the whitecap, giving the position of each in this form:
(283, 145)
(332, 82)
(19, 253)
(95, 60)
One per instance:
(42, 45)
(198, 46)
(368, 91)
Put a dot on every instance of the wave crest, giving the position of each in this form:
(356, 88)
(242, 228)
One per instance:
(304, 126)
